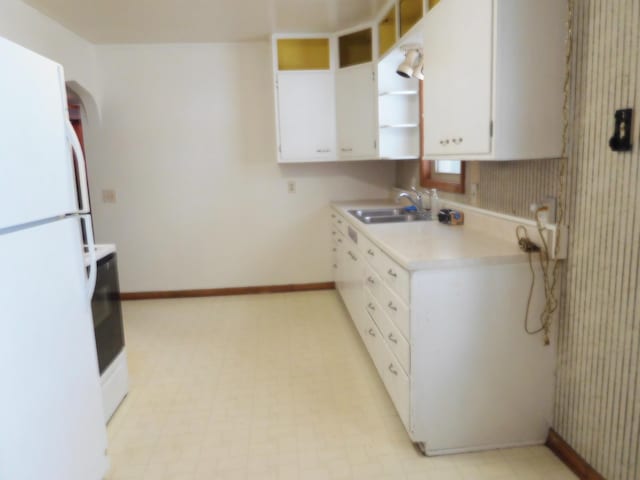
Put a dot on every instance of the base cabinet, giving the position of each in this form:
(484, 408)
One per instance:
(450, 348)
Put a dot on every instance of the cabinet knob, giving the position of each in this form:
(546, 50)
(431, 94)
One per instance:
(392, 338)
(335, 266)
(371, 332)
(392, 307)
(339, 240)
(393, 370)
(458, 141)
(392, 273)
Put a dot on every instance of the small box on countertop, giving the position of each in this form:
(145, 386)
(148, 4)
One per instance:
(450, 217)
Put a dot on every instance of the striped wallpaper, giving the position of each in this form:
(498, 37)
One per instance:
(598, 384)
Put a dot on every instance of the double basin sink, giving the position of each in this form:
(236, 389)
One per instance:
(390, 215)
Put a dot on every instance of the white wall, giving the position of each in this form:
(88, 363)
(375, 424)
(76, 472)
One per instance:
(188, 144)
(28, 27)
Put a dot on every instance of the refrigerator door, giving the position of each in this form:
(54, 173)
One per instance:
(51, 419)
(36, 167)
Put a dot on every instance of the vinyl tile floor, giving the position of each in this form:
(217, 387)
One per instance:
(275, 387)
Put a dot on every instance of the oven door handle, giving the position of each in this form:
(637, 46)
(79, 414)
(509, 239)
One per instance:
(93, 262)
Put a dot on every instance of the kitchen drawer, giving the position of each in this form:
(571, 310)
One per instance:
(392, 336)
(398, 385)
(338, 222)
(395, 380)
(372, 281)
(396, 310)
(396, 277)
(372, 253)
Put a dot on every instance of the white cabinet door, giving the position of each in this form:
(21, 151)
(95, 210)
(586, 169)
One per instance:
(306, 116)
(355, 107)
(458, 50)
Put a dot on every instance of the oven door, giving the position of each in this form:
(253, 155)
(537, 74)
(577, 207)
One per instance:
(107, 312)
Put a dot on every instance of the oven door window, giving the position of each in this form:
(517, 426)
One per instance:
(107, 313)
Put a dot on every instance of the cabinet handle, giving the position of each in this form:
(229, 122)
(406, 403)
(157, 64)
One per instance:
(458, 141)
(393, 370)
(371, 280)
(445, 142)
(339, 240)
(392, 338)
(371, 307)
(371, 253)
(339, 222)
(371, 332)
(393, 307)
(353, 257)
(335, 249)
(347, 149)
(333, 215)
(335, 266)
(334, 233)
(392, 273)
(323, 150)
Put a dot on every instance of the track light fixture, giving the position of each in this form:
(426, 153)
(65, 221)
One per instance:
(413, 62)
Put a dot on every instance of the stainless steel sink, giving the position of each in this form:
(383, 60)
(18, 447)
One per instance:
(389, 215)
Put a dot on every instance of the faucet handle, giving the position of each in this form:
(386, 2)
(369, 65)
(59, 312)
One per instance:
(417, 192)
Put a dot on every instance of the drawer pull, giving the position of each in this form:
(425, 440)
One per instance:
(392, 338)
(339, 240)
(393, 307)
(371, 307)
(339, 222)
(371, 332)
(371, 280)
(393, 370)
(392, 273)
(371, 253)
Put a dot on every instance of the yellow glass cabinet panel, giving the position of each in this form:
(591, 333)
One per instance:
(303, 54)
(355, 48)
(433, 3)
(387, 31)
(411, 11)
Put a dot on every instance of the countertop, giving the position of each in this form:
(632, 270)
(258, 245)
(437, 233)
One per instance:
(102, 250)
(420, 245)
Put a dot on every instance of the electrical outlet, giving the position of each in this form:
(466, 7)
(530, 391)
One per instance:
(108, 196)
(473, 194)
(291, 186)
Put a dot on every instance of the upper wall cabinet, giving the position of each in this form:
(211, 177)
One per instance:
(411, 12)
(356, 113)
(494, 73)
(387, 31)
(355, 97)
(305, 97)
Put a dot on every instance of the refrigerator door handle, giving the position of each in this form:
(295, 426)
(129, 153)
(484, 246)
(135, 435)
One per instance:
(83, 181)
(93, 263)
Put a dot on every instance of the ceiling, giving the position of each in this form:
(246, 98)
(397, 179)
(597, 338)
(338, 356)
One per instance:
(187, 21)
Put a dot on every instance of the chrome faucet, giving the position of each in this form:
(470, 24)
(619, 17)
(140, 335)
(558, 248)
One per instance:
(416, 202)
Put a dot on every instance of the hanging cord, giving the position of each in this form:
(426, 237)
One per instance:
(550, 264)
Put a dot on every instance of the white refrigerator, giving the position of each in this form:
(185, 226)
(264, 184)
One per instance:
(51, 419)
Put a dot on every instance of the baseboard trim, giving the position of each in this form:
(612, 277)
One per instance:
(221, 292)
(571, 458)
